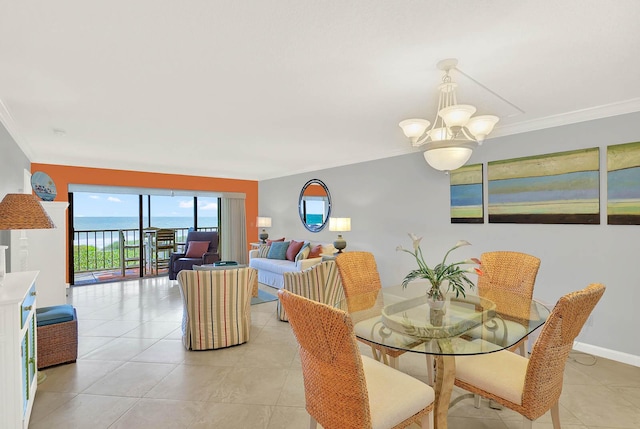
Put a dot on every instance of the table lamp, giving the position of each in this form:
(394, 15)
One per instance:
(340, 224)
(22, 211)
(263, 222)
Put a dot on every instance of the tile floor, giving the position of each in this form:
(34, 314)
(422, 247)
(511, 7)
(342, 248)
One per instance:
(133, 372)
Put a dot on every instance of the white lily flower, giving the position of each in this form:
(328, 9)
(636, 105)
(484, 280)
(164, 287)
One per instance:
(416, 241)
(461, 243)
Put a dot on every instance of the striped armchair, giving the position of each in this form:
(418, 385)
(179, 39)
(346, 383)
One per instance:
(217, 307)
(319, 283)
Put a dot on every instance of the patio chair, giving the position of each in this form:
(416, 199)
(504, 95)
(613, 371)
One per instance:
(163, 247)
(200, 254)
(531, 386)
(344, 390)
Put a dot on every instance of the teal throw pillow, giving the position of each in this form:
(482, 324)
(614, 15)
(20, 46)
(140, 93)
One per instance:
(278, 250)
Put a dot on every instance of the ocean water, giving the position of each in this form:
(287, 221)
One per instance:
(131, 222)
(101, 240)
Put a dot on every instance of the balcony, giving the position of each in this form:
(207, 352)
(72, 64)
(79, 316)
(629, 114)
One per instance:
(114, 254)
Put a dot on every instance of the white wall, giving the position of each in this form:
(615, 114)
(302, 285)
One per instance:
(12, 164)
(388, 198)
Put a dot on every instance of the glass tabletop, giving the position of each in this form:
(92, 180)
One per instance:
(404, 319)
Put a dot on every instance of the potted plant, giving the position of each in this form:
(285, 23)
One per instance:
(454, 274)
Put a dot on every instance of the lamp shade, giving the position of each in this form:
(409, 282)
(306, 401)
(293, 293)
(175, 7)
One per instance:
(457, 115)
(481, 126)
(23, 211)
(447, 158)
(414, 128)
(340, 224)
(263, 222)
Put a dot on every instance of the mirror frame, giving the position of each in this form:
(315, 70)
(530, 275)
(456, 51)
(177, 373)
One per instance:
(314, 228)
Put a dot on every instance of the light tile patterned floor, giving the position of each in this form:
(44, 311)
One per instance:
(133, 372)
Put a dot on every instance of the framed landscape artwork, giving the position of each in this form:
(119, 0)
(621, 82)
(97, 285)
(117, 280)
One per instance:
(623, 184)
(467, 194)
(559, 188)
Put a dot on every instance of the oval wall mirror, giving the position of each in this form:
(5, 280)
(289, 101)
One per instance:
(314, 205)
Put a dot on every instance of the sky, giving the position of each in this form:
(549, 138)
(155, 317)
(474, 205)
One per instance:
(90, 204)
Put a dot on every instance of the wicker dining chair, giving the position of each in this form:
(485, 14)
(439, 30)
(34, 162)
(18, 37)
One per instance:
(359, 275)
(344, 390)
(516, 273)
(532, 386)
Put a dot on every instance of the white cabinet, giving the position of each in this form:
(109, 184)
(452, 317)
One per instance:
(18, 349)
(46, 252)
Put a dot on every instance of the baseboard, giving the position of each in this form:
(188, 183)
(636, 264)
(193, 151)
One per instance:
(607, 353)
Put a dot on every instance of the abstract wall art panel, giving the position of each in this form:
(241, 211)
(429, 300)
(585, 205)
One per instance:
(560, 188)
(466, 194)
(623, 184)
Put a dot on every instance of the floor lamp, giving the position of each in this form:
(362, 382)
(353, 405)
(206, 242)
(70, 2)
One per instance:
(21, 212)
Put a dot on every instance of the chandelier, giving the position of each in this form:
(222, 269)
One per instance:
(454, 133)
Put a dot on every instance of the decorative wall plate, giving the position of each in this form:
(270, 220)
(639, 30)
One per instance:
(43, 186)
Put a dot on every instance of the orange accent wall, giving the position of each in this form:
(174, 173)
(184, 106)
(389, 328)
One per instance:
(63, 175)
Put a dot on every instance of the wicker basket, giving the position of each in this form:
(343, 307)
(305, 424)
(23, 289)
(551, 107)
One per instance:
(58, 343)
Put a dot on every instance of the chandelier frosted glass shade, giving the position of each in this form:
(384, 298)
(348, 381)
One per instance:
(481, 126)
(457, 115)
(449, 141)
(447, 158)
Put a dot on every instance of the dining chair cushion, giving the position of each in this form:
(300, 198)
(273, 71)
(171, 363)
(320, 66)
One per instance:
(393, 395)
(503, 373)
(514, 332)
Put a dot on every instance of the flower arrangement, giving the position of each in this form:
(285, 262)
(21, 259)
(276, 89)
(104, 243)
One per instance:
(454, 273)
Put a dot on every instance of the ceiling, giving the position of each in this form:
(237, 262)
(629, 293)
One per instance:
(269, 88)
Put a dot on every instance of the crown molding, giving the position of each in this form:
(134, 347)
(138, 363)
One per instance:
(12, 129)
(590, 114)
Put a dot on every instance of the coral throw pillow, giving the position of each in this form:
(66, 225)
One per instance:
(271, 241)
(197, 248)
(293, 249)
(315, 252)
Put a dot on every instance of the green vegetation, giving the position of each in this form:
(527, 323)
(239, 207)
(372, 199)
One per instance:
(89, 258)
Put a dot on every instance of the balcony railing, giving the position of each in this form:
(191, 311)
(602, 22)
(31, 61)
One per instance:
(114, 249)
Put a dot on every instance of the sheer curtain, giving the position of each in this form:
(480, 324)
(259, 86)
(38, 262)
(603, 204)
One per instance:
(233, 230)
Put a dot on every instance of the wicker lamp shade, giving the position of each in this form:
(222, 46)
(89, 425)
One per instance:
(23, 211)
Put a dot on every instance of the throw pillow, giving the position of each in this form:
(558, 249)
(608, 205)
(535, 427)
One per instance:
(271, 241)
(278, 250)
(304, 252)
(329, 249)
(263, 250)
(293, 249)
(197, 248)
(315, 252)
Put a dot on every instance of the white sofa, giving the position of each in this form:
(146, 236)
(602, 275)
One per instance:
(271, 271)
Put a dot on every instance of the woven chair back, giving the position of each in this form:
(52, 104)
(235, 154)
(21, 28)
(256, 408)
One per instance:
(514, 272)
(359, 273)
(334, 383)
(543, 382)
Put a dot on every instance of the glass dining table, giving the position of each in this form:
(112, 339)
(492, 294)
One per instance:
(404, 319)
